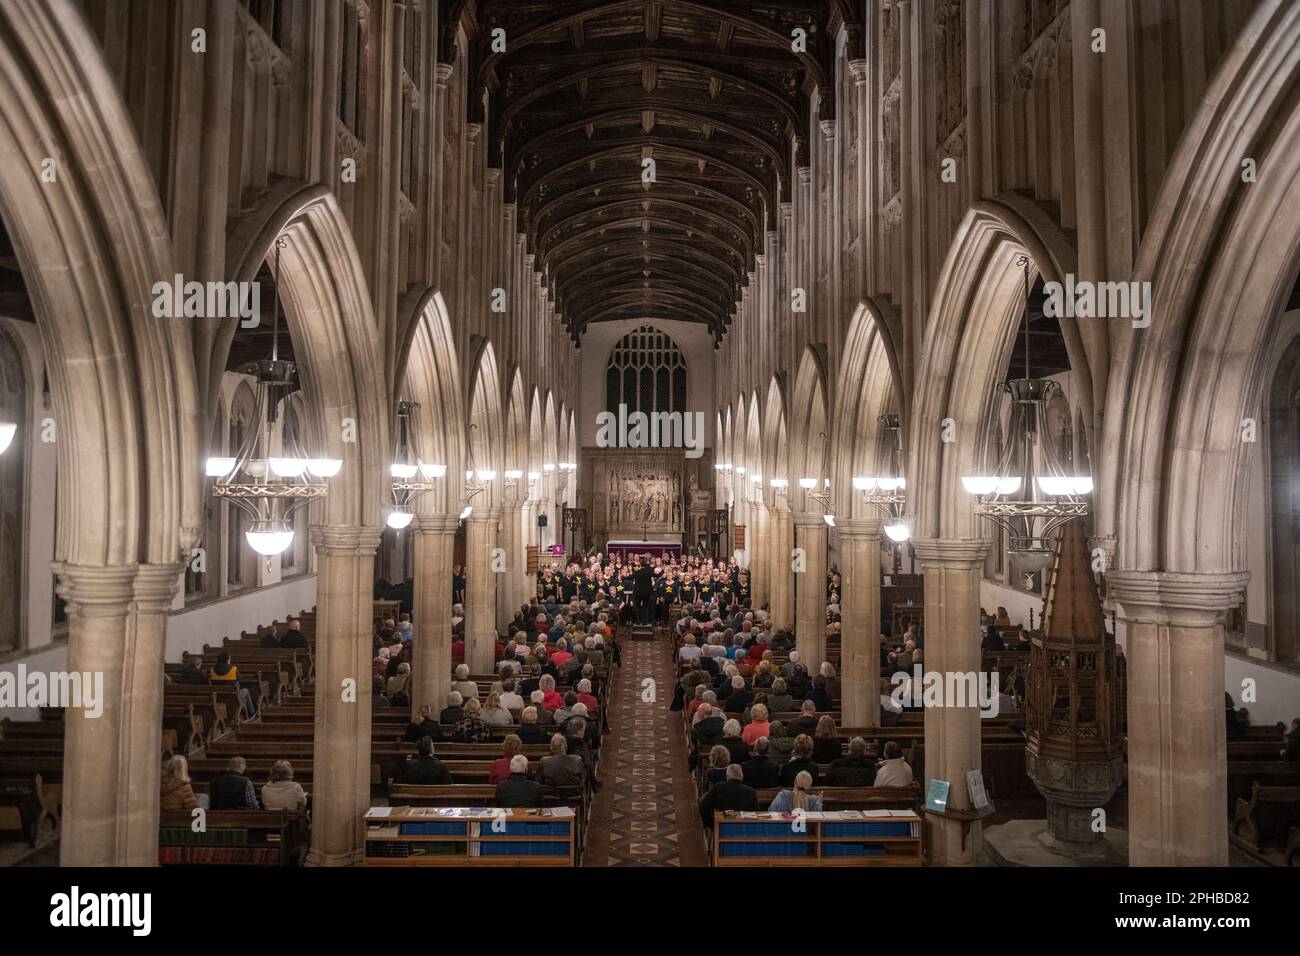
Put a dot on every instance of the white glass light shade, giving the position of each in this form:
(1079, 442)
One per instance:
(807, 483)
(548, 467)
(218, 467)
(889, 484)
(399, 519)
(269, 542)
(513, 475)
(1008, 486)
(756, 478)
(324, 467)
(1056, 487)
(863, 482)
(898, 531)
(740, 469)
(980, 484)
(469, 509)
(534, 475)
(288, 467)
(403, 471)
(469, 475)
(7, 432)
(433, 471)
(486, 474)
(829, 519)
(779, 483)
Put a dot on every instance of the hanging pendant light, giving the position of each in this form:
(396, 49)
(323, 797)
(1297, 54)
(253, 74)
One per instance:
(887, 492)
(267, 483)
(412, 476)
(1029, 494)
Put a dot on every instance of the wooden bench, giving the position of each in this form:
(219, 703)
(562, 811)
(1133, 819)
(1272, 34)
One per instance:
(233, 837)
(30, 806)
(1265, 824)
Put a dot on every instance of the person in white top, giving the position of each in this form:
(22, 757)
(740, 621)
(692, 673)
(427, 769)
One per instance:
(688, 651)
(282, 793)
(893, 770)
(511, 700)
(462, 684)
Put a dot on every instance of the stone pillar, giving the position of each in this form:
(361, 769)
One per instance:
(779, 552)
(345, 574)
(117, 622)
(860, 620)
(760, 558)
(435, 539)
(480, 589)
(1177, 743)
(810, 590)
(952, 645)
(508, 582)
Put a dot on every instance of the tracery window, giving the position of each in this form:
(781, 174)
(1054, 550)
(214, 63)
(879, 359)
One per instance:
(646, 372)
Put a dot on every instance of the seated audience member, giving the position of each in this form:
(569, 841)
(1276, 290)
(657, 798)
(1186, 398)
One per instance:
(787, 669)
(177, 791)
(472, 728)
(293, 637)
(732, 793)
(819, 696)
(855, 770)
(232, 790)
(1003, 619)
(283, 792)
(462, 685)
(454, 711)
(826, 741)
(586, 697)
(192, 670)
(740, 697)
(708, 726)
(893, 770)
(396, 688)
(550, 696)
(763, 676)
(758, 725)
(991, 640)
(779, 700)
(517, 790)
(566, 710)
(425, 768)
(544, 716)
(1291, 752)
(510, 698)
(530, 732)
(694, 703)
(780, 742)
(761, 771)
(225, 672)
(422, 726)
(561, 769)
(798, 683)
(719, 760)
(511, 745)
(830, 679)
(806, 722)
(734, 742)
(267, 637)
(405, 630)
(800, 760)
(798, 797)
(494, 715)
(688, 651)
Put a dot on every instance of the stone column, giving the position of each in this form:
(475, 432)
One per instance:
(345, 574)
(952, 645)
(1177, 743)
(782, 600)
(435, 538)
(508, 581)
(117, 621)
(480, 589)
(760, 558)
(810, 590)
(860, 618)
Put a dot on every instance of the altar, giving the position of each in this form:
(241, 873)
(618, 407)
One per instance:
(669, 550)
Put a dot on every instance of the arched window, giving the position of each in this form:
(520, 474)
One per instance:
(646, 372)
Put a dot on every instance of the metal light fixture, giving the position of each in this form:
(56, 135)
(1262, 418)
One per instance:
(1028, 494)
(887, 492)
(268, 487)
(477, 479)
(412, 477)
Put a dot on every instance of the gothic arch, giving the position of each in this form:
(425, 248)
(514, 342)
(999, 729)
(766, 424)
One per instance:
(486, 429)
(1221, 256)
(776, 461)
(517, 429)
(536, 445)
(432, 378)
(968, 342)
(809, 456)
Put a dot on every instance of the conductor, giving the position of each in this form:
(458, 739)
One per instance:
(643, 590)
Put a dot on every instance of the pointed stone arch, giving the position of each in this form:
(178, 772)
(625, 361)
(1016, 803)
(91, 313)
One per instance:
(432, 378)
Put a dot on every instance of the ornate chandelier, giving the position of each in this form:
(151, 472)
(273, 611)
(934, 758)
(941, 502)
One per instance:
(411, 476)
(887, 492)
(1029, 495)
(271, 477)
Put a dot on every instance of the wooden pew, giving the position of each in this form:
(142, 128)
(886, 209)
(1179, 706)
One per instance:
(30, 806)
(242, 837)
(1264, 824)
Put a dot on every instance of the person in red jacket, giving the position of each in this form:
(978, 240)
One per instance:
(585, 696)
(501, 766)
(551, 698)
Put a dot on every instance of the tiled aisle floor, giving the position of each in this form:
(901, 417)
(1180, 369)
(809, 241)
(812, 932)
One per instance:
(645, 813)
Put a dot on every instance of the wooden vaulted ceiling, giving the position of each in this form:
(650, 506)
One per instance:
(711, 90)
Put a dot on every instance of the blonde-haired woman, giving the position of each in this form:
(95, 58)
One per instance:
(763, 676)
(494, 715)
(826, 741)
(797, 798)
(177, 792)
(758, 725)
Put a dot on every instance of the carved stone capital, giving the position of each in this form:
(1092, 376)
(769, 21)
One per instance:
(1179, 598)
(436, 524)
(93, 590)
(345, 540)
(859, 527)
(956, 554)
